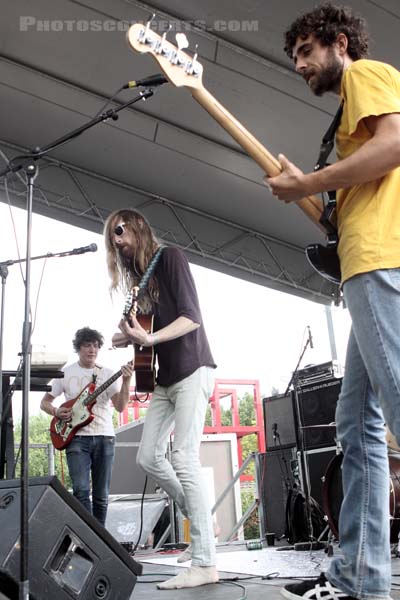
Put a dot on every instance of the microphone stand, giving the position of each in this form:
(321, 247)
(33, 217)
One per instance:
(27, 162)
(300, 438)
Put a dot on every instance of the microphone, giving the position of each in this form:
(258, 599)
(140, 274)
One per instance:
(90, 248)
(153, 80)
(310, 337)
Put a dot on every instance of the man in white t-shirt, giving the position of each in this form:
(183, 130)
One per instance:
(90, 454)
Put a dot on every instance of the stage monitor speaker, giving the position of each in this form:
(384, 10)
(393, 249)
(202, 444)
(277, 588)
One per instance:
(279, 417)
(70, 555)
(275, 473)
(317, 407)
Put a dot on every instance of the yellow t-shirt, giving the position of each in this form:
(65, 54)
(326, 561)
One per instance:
(368, 214)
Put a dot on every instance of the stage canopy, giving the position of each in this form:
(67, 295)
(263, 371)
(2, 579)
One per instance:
(62, 59)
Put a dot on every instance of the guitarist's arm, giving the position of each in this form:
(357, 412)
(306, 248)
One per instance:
(379, 155)
(121, 399)
(181, 326)
(46, 404)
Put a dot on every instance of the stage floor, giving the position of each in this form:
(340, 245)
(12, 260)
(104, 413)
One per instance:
(244, 567)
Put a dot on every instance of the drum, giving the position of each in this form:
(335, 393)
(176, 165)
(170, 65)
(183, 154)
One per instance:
(332, 494)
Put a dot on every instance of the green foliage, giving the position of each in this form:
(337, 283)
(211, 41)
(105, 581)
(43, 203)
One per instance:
(39, 426)
(251, 526)
(247, 413)
(249, 445)
(226, 416)
(115, 419)
(208, 420)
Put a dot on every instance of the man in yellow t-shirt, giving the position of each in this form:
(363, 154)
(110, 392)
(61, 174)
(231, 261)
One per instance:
(329, 45)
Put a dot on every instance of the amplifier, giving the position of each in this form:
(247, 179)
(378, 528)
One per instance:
(279, 425)
(314, 408)
(317, 373)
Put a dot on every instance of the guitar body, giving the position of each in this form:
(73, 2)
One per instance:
(325, 260)
(61, 431)
(145, 373)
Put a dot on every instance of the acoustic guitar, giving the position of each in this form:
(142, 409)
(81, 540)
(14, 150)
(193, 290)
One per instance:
(145, 373)
(183, 70)
(62, 431)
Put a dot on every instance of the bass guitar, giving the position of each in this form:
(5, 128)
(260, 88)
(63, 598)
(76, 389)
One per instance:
(183, 70)
(62, 431)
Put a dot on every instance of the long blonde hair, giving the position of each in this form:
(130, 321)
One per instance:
(127, 273)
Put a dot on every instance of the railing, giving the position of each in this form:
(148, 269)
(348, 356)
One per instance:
(50, 452)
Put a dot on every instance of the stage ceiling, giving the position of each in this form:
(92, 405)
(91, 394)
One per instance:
(61, 59)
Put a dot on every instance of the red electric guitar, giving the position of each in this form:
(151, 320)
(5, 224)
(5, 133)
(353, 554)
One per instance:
(62, 431)
(185, 71)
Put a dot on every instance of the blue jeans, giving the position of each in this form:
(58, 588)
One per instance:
(370, 397)
(91, 455)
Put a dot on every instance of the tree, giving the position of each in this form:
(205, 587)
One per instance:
(247, 413)
(208, 419)
(39, 427)
(251, 527)
(226, 416)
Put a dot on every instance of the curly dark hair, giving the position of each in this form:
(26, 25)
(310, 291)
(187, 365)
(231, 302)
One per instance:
(87, 335)
(325, 22)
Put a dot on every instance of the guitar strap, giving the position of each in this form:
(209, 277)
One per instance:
(149, 271)
(328, 140)
(95, 373)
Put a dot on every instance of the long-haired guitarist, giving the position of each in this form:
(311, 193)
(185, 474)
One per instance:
(328, 46)
(185, 376)
(90, 453)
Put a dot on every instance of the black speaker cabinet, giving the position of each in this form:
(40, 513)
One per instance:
(317, 462)
(70, 555)
(275, 474)
(279, 417)
(316, 410)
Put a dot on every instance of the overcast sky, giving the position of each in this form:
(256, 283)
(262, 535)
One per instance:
(254, 332)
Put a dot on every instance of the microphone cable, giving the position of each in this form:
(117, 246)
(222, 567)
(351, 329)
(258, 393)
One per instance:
(132, 552)
(115, 94)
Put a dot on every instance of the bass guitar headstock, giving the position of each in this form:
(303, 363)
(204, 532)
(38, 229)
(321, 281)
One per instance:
(180, 68)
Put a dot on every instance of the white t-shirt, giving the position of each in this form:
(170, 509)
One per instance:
(74, 380)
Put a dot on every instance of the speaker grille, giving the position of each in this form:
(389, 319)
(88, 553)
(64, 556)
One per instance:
(278, 411)
(275, 478)
(317, 407)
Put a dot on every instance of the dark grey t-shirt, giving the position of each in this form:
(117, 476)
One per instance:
(178, 358)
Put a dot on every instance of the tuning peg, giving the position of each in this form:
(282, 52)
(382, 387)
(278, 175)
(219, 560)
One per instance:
(191, 67)
(143, 34)
(164, 35)
(162, 47)
(195, 54)
(148, 23)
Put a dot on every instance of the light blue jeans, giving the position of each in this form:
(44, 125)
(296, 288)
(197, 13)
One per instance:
(182, 407)
(370, 397)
